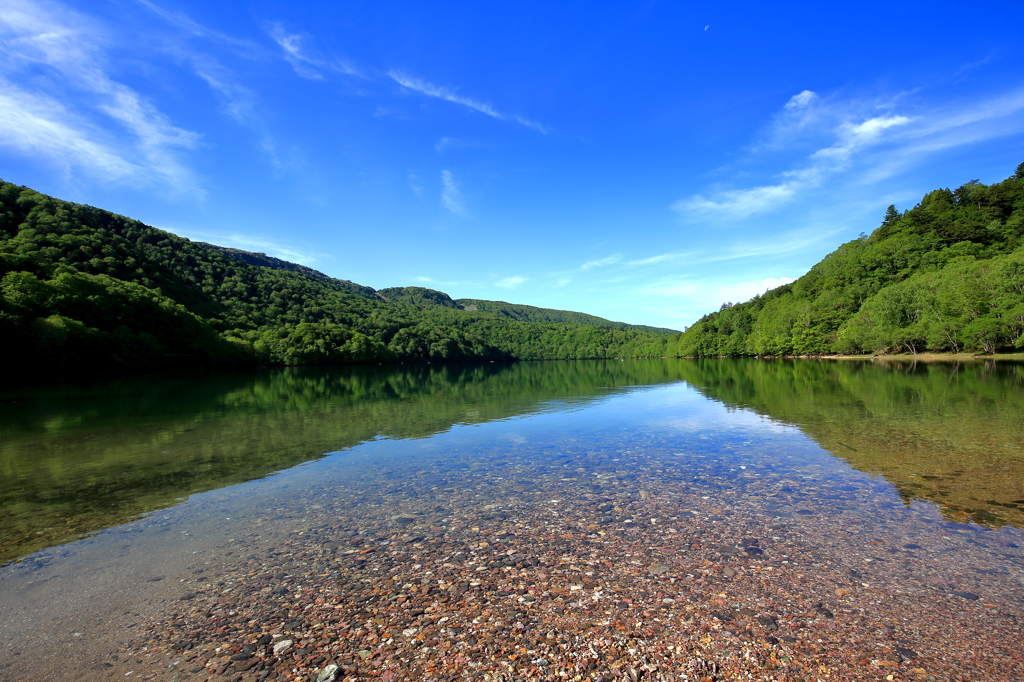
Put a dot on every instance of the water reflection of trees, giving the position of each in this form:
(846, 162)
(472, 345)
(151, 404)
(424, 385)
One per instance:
(83, 457)
(952, 433)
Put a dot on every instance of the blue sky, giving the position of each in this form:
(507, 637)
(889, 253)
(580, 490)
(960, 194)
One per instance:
(640, 161)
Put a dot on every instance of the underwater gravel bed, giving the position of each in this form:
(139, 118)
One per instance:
(649, 563)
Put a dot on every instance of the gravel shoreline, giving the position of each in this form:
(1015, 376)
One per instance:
(579, 567)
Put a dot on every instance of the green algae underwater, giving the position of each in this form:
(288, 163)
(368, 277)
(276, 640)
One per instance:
(76, 459)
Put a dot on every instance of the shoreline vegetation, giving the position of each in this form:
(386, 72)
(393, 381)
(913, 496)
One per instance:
(946, 276)
(86, 291)
(884, 357)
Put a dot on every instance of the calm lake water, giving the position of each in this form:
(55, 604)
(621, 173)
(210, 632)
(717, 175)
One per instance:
(863, 518)
(78, 459)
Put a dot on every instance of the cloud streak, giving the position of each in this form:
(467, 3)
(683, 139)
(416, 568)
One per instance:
(66, 46)
(249, 243)
(510, 282)
(866, 135)
(303, 63)
(712, 295)
(609, 260)
(41, 126)
(451, 196)
(192, 28)
(660, 258)
(431, 90)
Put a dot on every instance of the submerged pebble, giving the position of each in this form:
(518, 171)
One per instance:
(504, 565)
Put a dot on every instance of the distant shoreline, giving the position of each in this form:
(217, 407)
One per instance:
(891, 357)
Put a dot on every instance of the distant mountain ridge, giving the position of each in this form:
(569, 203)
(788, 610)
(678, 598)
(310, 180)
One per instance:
(529, 313)
(421, 296)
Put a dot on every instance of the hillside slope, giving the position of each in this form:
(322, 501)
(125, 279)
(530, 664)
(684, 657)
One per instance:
(529, 313)
(263, 260)
(420, 296)
(86, 289)
(946, 275)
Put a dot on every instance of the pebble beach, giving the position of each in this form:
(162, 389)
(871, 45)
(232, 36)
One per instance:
(525, 573)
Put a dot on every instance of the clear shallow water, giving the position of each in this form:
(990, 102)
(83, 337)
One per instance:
(78, 459)
(898, 484)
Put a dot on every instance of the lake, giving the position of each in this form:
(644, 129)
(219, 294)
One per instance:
(648, 518)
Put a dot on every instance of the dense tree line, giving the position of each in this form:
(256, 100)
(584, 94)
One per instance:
(529, 313)
(946, 275)
(86, 288)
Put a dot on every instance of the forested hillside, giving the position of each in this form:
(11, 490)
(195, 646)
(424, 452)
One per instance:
(86, 289)
(529, 313)
(946, 275)
(418, 296)
(266, 261)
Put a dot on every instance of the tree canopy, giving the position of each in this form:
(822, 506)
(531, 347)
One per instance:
(85, 288)
(946, 275)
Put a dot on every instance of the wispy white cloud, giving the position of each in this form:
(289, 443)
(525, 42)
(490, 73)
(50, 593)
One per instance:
(714, 294)
(853, 137)
(40, 126)
(946, 128)
(660, 258)
(240, 103)
(291, 45)
(431, 90)
(37, 35)
(446, 143)
(973, 65)
(564, 277)
(510, 282)
(195, 29)
(872, 137)
(415, 184)
(306, 64)
(590, 265)
(435, 282)
(236, 240)
(801, 113)
(740, 203)
(790, 242)
(451, 196)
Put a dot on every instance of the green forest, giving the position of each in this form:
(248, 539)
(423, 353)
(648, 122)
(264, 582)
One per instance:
(87, 290)
(945, 276)
(529, 313)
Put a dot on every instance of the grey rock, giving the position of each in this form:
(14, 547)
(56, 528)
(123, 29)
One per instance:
(328, 674)
(967, 595)
(906, 654)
